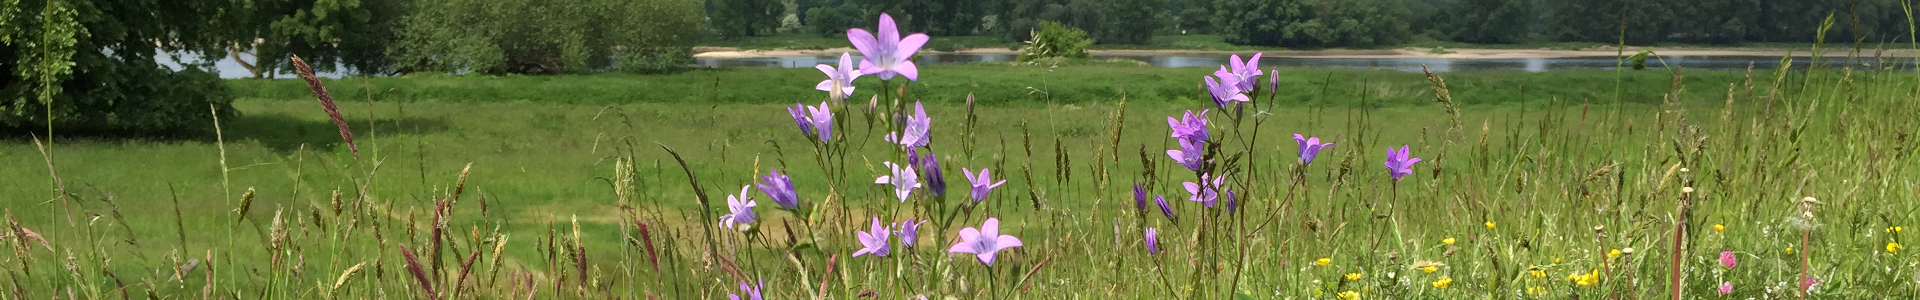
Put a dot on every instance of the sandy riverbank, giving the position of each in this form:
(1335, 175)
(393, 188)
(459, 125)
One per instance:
(725, 52)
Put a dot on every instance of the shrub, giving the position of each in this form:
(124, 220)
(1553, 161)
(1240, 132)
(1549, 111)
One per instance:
(1056, 40)
(547, 37)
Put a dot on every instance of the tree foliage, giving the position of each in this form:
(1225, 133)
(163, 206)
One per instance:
(327, 33)
(547, 36)
(744, 18)
(88, 66)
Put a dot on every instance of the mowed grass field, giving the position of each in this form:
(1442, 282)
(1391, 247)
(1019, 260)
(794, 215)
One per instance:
(1536, 171)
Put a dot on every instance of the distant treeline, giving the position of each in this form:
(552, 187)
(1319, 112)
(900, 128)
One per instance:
(89, 65)
(1343, 23)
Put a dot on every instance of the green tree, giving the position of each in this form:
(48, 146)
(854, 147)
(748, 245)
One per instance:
(1131, 21)
(1489, 21)
(88, 67)
(326, 33)
(743, 18)
(548, 36)
(833, 17)
(1261, 22)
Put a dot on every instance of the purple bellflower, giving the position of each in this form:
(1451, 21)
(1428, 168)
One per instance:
(1165, 209)
(984, 242)
(752, 292)
(1226, 89)
(1153, 240)
(909, 232)
(740, 210)
(1206, 191)
(1139, 198)
(930, 168)
(822, 118)
(914, 134)
(1246, 73)
(779, 188)
(1399, 163)
(841, 77)
(1189, 155)
(888, 54)
(801, 118)
(903, 180)
(1189, 126)
(1273, 80)
(873, 241)
(1309, 147)
(982, 184)
(1233, 202)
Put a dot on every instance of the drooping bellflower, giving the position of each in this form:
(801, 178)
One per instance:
(873, 241)
(1165, 209)
(1399, 163)
(739, 210)
(982, 184)
(888, 54)
(1309, 147)
(841, 77)
(903, 180)
(779, 188)
(984, 242)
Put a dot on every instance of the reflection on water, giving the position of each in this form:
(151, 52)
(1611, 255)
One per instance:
(1396, 64)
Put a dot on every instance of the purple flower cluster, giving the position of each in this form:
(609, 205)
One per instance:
(1190, 131)
(814, 121)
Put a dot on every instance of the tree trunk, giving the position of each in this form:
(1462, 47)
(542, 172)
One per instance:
(243, 63)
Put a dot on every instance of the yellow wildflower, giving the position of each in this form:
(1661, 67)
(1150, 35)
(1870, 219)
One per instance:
(1556, 260)
(1443, 282)
(1536, 290)
(1323, 261)
(1429, 269)
(1538, 273)
(1615, 253)
(1719, 228)
(1349, 295)
(1448, 241)
(1789, 249)
(1585, 279)
(1893, 247)
(1894, 229)
(1489, 224)
(1353, 276)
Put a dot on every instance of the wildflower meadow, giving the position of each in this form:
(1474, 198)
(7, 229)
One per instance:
(1780, 184)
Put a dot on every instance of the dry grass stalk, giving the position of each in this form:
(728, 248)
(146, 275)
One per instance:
(326, 103)
(344, 276)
